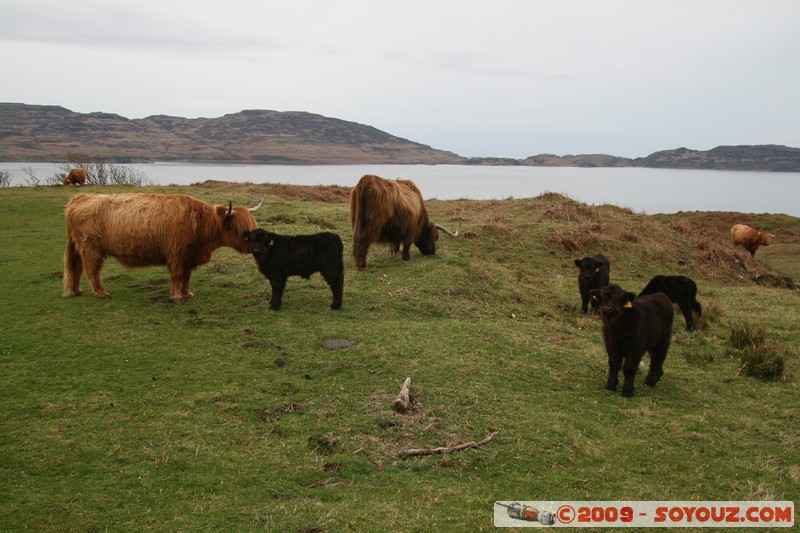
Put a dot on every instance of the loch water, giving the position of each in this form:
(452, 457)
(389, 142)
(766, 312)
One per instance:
(644, 190)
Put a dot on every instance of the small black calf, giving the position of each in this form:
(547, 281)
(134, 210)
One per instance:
(681, 290)
(280, 256)
(593, 274)
(631, 327)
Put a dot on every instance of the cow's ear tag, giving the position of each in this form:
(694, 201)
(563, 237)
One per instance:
(594, 297)
(271, 242)
(597, 269)
(628, 305)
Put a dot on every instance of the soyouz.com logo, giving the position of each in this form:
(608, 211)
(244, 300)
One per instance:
(644, 514)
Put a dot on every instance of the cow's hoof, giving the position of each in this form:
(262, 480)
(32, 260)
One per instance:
(336, 305)
(104, 295)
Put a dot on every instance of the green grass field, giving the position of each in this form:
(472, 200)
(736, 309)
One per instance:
(138, 414)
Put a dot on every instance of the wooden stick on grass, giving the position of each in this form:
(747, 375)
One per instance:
(447, 449)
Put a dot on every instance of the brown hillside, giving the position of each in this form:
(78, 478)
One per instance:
(49, 133)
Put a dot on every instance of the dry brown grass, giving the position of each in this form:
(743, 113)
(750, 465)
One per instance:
(571, 212)
(335, 194)
(575, 240)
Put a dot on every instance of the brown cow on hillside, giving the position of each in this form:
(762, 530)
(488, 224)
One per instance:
(175, 230)
(76, 176)
(749, 239)
(392, 212)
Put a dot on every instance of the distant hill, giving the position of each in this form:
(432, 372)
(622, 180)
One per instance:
(762, 157)
(552, 160)
(49, 133)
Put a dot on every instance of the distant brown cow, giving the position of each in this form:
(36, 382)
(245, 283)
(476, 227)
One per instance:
(392, 212)
(749, 239)
(175, 230)
(76, 176)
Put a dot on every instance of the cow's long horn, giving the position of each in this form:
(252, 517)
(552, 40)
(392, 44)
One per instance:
(259, 206)
(452, 234)
(230, 209)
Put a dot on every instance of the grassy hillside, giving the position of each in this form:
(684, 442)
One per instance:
(219, 414)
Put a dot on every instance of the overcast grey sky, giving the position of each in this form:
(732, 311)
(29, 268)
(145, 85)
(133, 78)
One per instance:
(507, 78)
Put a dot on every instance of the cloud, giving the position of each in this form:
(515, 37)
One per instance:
(506, 78)
(161, 25)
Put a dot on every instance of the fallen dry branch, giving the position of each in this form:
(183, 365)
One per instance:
(402, 402)
(447, 449)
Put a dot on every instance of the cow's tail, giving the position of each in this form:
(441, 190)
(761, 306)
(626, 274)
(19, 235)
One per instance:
(73, 268)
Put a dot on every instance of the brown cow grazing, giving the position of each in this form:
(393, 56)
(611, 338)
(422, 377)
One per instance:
(631, 327)
(392, 212)
(749, 239)
(175, 230)
(76, 176)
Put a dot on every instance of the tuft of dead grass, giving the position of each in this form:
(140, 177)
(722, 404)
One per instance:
(501, 225)
(335, 194)
(571, 212)
(759, 355)
(764, 360)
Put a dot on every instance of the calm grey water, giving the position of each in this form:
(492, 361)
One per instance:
(641, 189)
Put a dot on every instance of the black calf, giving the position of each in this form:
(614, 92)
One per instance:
(631, 327)
(681, 290)
(279, 257)
(593, 273)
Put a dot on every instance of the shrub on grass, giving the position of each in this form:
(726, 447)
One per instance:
(759, 357)
(747, 335)
(763, 361)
